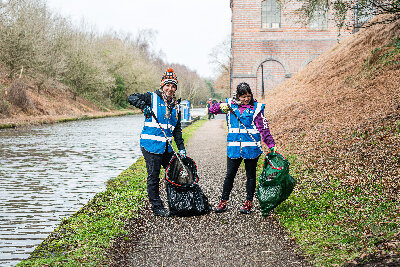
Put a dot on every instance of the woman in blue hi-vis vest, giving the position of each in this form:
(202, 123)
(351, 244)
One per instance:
(155, 147)
(240, 146)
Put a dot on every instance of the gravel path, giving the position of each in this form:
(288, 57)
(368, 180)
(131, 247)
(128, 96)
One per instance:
(227, 239)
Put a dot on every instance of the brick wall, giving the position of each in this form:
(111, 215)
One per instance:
(279, 52)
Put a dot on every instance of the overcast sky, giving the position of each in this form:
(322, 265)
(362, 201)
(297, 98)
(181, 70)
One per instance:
(187, 30)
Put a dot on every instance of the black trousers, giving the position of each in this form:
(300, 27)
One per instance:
(232, 168)
(153, 165)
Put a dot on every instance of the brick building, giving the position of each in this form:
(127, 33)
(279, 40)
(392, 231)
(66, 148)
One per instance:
(269, 44)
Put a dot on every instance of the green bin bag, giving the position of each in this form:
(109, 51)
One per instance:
(275, 183)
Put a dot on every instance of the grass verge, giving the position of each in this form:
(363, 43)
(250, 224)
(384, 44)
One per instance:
(336, 223)
(83, 238)
(7, 125)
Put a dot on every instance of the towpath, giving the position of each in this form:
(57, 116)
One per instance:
(227, 239)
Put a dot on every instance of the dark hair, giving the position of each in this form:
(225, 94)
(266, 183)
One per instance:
(242, 89)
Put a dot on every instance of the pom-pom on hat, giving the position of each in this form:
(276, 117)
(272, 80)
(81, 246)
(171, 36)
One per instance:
(169, 77)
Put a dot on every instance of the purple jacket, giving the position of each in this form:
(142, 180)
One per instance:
(260, 122)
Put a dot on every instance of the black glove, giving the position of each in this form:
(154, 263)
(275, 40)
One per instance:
(147, 112)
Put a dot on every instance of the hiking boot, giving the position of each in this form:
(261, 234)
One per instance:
(161, 212)
(222, 206)
(246, 207)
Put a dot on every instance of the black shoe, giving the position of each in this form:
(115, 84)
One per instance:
(161, 212)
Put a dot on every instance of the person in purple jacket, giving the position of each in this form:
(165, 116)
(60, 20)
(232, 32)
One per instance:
(240, 146)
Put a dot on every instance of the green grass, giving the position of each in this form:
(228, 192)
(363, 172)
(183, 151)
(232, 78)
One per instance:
(336, 223)
(84, 237)
(6, 126)
(89, 117)
(387, 55)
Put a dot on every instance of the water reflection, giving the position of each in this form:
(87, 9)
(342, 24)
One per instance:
(49, 172)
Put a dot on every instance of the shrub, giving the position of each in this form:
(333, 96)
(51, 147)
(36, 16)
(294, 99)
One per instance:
(119, 95)
(4, 108)
(17, 95)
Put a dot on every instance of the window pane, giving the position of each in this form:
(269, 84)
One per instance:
(270, 14)
(267, 4)
(320, 20)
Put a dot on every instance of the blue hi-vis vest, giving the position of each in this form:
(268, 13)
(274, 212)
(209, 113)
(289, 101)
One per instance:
(152, 139)
(240, 144)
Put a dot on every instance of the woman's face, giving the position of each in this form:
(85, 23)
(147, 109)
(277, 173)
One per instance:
(169, 90)
(245, 99)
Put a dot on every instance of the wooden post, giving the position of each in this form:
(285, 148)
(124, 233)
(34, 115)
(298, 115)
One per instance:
(20, 74)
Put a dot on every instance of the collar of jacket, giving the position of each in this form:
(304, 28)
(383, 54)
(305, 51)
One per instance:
(170, 104)
(239, 104)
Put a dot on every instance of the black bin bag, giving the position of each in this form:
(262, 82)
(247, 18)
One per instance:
(185, 197)
(275, 183)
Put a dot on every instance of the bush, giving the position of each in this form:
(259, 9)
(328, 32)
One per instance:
(17, 96)
(4, 105)
(4, 108)
(119, 94)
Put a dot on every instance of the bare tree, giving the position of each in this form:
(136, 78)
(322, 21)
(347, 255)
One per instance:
(351, 13)
(95, 66)
(220, 57)
(191, 87)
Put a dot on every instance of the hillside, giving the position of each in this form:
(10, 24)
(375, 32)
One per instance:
(350, 90)
(22, 103)
(339, 118)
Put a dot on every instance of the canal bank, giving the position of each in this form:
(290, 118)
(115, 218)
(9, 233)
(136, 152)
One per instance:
(117, 228)
(48, 172)
(86, 236)
(24, 120)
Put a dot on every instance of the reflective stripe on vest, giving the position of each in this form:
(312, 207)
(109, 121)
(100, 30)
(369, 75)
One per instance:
(152, 138)
(155, 125)
(240, 144)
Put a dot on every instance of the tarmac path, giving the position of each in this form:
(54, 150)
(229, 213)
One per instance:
(226, 239)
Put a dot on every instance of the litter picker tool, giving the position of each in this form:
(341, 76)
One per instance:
(259, 146)
(184, 195)
(184, 170)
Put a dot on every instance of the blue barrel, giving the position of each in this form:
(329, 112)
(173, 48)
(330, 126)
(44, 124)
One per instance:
(185, 111)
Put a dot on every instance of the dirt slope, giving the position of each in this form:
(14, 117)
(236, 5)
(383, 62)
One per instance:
(341, 115)
(351, 89)
(341, 88)
(26, 104)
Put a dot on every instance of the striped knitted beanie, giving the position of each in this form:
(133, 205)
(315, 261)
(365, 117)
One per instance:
(169, 77)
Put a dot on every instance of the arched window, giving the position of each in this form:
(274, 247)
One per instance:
(270, 14)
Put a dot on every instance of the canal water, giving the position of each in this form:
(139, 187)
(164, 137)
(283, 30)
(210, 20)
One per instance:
(49, 172)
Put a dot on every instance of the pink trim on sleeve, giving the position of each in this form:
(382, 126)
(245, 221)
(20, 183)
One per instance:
(215, 109)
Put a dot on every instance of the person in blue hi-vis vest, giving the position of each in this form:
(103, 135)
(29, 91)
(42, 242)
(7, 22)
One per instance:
(155, 147)
(240, 146)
